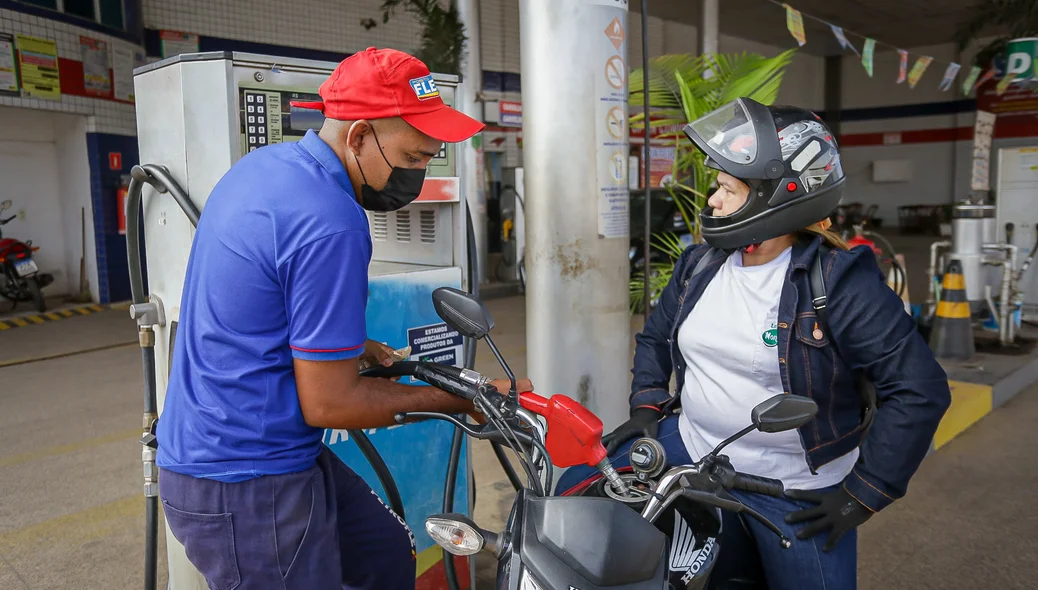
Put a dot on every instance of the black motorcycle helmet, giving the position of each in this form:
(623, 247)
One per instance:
(786, 155)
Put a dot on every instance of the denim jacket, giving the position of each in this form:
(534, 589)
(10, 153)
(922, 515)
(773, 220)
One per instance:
(873, 337)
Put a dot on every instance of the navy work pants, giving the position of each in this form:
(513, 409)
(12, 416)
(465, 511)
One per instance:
(318, 529)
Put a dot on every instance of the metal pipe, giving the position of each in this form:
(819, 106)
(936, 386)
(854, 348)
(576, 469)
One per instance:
(1006, 331)
(646, 247)
(931, 299)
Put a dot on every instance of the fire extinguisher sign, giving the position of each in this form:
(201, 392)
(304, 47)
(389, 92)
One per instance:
(121, 196)
(115, 161)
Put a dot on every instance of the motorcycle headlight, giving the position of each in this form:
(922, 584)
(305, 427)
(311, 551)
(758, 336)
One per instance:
(528, 582)
(457, 537)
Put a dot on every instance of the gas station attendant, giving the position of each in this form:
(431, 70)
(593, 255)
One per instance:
(272, 329)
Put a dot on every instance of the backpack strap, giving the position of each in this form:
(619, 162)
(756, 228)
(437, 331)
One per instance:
(820, 301)
(711, 255)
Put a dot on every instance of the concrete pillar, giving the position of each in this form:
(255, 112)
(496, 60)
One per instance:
(710, 33)
(470, 153)
(833, 93)
(575, 147)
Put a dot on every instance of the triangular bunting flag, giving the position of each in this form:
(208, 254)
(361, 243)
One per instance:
(867, 53)
(949, 76)
(842, 38)
(902, 72)
(987, 76)
(795, 24)
(971, 79)
(1003, 85)
(918, 69)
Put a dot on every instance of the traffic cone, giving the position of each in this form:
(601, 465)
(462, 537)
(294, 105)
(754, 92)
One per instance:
(952, 334)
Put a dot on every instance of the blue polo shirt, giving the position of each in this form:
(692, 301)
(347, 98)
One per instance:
(278, 270)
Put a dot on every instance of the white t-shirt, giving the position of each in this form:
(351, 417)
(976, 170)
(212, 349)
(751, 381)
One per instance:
(729, 343)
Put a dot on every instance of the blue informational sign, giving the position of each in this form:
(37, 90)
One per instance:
(400, 313)
(436, 343)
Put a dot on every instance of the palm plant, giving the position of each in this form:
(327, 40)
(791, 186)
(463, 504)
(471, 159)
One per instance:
(1019, 18)
(683, 88)
(443, 35)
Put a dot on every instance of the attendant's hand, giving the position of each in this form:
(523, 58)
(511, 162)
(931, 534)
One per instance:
(377, 353)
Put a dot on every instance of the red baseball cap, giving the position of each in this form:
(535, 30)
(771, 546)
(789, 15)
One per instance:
(384, 83)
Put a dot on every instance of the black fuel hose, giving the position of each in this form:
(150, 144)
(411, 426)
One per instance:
(159, 178)
(454, 460)
(385, 478)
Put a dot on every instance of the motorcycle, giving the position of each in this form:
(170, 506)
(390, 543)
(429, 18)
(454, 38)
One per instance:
(22, 280)
(639, 530)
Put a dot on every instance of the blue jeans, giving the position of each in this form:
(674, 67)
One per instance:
(801, 567)
(319, 529)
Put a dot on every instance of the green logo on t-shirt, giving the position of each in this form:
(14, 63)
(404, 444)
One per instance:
(770, 337)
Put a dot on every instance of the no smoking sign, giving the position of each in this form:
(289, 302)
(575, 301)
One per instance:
(616, 72)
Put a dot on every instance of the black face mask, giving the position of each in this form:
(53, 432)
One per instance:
(401, 189)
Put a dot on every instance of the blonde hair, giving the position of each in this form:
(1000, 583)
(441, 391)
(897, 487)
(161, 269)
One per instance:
(831, 238)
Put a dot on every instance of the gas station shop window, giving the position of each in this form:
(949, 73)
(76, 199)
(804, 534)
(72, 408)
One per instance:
(109, 13)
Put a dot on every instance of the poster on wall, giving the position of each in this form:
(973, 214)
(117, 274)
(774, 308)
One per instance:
(123, 61)
(96, 78)
(8, 71)
(662, 165)
(38, 62)
(175, 43)
(983, 131)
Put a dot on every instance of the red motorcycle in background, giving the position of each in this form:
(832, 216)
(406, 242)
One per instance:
(20, 278)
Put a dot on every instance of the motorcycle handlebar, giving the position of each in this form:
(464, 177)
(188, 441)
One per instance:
(442, 377)
(757, 485)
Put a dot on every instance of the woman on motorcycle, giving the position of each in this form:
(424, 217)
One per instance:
(738, 324)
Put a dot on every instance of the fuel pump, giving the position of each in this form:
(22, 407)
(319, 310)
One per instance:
(197, 114)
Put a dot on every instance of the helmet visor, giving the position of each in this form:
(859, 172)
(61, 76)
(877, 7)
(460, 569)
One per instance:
(730, 134)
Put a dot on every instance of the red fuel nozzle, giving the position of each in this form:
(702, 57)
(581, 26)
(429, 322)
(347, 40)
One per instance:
(574, 432)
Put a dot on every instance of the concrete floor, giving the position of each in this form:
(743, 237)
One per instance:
(71, 510)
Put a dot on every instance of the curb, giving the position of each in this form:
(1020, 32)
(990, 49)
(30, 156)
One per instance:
(972, 401)
(59, 314)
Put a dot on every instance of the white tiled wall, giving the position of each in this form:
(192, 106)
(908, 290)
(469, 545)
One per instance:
(329, 25)
(105, 116)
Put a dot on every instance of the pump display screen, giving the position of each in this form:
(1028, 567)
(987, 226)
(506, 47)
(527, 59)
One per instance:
(267, 115)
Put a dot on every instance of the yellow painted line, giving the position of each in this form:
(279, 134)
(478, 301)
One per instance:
(71, 447)
(74, 529)
(35, 319)
(427, 559)
(52, 316)
(95, 307)
(49, 357)
(4, 326)
(65, 313)
(970, 403)
(953, 282)
(953, 310)
(19, 322)
(82, 311)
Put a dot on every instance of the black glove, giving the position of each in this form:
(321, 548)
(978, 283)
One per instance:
(644, 421)
(837, 512)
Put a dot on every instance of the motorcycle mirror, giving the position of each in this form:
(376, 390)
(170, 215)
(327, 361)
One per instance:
(463, 312)
(6, 205)
(783, 412)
